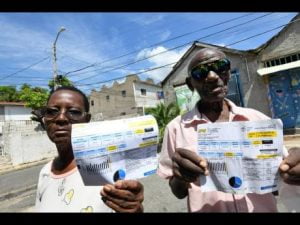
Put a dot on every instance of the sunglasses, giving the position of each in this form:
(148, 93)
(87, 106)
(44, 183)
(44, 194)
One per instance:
(71, 114)
(201, 71)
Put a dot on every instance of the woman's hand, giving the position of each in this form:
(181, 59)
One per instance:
(124, 196)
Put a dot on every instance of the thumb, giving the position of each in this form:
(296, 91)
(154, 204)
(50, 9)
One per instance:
(284, 167)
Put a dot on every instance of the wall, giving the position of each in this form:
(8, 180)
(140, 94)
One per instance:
(13, 112)
(254, 90)
(2, 117)
(148, 100)
(25, 141)
(117, 105)
(288, 42)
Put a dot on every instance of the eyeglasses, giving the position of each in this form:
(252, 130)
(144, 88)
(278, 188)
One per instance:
(71, 114)
(201, 71)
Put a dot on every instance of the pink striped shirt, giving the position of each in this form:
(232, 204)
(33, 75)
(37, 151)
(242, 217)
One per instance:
(181, 133)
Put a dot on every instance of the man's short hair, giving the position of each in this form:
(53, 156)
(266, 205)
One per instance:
(72, 88)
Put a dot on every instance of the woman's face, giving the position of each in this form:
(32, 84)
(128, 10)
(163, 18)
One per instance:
(64, 108)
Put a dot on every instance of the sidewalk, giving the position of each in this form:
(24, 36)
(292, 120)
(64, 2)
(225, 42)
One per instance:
(6, 166)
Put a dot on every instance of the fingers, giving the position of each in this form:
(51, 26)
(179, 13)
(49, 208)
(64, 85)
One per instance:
(192, 156)
(294, 157)
(120, 193)
(125, 207)
(124, 196)
(188, 165)
(131, 185)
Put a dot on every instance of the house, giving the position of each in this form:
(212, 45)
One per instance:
(14, 111)
(266, 78)
(125, 98)
(279, 65)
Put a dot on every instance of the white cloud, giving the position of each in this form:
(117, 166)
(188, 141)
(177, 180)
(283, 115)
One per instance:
(146, 19)
(161, 60)
(165, 35)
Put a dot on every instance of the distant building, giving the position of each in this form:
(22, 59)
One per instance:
(14, 111)
(125, 99)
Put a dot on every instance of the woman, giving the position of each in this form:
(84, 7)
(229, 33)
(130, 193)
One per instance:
(60, 187)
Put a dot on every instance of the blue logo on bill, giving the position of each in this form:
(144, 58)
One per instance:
(119, 175)
(235, 182)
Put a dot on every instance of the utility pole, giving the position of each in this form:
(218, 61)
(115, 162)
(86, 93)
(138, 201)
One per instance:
(54, 58)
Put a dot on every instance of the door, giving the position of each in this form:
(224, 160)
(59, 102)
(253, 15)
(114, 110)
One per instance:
(284, 90)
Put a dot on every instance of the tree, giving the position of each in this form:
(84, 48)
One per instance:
(9, 94)
(163, 115)
(60, 80)
(35, 98)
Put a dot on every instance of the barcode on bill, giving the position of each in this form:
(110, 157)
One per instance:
(217, 166)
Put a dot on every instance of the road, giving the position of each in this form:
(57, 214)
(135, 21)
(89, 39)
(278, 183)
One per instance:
(18, 189)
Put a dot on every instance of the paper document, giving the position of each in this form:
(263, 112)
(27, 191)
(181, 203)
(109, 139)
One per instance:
(107, 151)
(243, 157)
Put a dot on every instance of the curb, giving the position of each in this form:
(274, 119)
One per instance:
(11, 168)
(16, 193)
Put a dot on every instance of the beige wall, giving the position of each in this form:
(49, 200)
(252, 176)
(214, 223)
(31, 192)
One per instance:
(288, 42)
(117, 104)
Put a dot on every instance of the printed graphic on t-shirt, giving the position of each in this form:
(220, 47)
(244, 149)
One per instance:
(61, 187)
(68, 197)
(87, 209)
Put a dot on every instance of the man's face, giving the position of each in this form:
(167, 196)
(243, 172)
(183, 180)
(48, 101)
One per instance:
(64, 108)
(212, 84)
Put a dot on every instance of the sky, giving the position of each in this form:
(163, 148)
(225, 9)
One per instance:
(98, 48)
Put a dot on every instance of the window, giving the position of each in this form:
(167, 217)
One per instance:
(123, 93)
(273, 63)
(282, 60)
(92, 102)
(107, 97)
(268, 64)
(277, 62)
(294, 58)
(288, 59)
(123, 113)
(143, 92)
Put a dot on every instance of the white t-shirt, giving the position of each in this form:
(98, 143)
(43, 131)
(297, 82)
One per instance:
(67, 193)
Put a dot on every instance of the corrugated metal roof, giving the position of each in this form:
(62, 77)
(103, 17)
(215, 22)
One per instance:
(12, 103)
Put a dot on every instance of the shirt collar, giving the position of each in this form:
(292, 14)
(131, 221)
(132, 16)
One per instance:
(194, 115)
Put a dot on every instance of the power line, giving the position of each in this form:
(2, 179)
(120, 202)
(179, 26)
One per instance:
(26, 68)
(118, 78)
(225, 46)
(180, 46)
(159, 43)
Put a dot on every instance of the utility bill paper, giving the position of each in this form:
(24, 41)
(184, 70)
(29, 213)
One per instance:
(243, 157)
(107, 151)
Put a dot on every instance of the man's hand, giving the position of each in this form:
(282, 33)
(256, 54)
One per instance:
(188, 166)
(124, 196)
(290, 167)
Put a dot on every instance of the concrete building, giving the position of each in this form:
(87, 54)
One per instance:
(124, 99)
(14, 111)
(266, 78)
(279, 65)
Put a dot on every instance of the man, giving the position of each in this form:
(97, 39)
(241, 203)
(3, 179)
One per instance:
(60, 187)
(208, 74)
